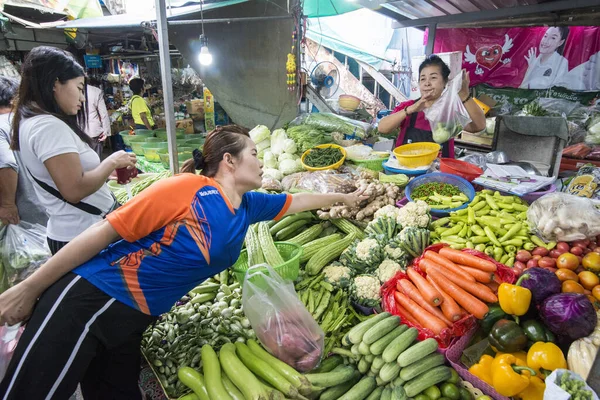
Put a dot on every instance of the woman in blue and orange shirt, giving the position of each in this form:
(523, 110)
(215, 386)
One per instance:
(98, 294)
(409, 116)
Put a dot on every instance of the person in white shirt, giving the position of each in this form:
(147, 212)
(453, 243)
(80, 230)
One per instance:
(546, 69)
(67, 175)
(98, 122)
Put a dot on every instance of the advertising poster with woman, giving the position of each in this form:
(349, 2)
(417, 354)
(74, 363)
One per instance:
(528, 58)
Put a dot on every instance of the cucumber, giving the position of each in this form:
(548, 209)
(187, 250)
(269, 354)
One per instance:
(378, 362)
(399, 393)
(334, 393)
(398, 381)
(289, 230)
(354, 350)
(389, 372)
(361, 390)
(375, 369)
(431, 361)
(346, 341)
(417, 352)
(387, 394)
(339, 375)
(290, 219)
(398, 345)
(364, 349)
(380, 329)
(370, 358)
(427, 379)
(376, 394)
(363, 366)
(379, 346)
(329, 364)
(356, 334)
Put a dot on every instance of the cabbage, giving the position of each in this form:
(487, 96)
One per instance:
(277, 142)
(299, 166)
(289, 146)
(259, 133)
(542, 283)
(288, 167)
(442, 133)
(263, 145)
(286, 156)
(570, 315)
(273, 173)
(594, 126)
(270, 160)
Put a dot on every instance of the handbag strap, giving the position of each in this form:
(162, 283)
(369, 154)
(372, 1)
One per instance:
(88, 208)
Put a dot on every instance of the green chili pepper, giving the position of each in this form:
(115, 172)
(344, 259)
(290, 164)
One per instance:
(491, 202)
(511, 232)
(477, 230)
(491, 235)
(537, 241)
(480, 239)
(480, 247)
(451, 231)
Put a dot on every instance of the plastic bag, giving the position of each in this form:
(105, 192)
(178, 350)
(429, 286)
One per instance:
(448, 115)
(564, 217)
(281, 322)
(580, 150)
(9, 337)
(23, 249)
(270, 183)
(328, 122)
(586, 183)
(555, 392)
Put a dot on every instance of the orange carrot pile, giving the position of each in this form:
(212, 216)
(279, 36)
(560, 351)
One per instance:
(457, 284)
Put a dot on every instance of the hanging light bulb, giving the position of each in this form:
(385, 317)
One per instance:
(204, 57)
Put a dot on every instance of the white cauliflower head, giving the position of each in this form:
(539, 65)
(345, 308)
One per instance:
(365, 248)
(414, 214)
(387, 269)
(366, 290)
(336, 274)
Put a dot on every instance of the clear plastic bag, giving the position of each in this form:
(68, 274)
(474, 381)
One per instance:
(328, 122)
(564, 217)
(281, 322)
(448, 115)
(555, 392)
(23, 249)
(9, 337)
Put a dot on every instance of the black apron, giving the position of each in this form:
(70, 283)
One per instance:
(414, 135)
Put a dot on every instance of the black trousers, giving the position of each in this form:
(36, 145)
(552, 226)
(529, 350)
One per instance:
(77, 334)
(55, 245)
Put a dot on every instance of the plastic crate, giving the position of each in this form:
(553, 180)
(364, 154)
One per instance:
(462, 184)
(290, 252)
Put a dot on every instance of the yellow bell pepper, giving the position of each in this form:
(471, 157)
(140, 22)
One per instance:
(545, 358)
(483, 369)
(535, 390)
(514, 299)
(508, 377)
(520, 355)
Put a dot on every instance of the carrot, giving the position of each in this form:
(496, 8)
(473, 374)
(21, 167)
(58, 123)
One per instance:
(411, 291)
(476, 289)
(449, 265)
(469, 260)
(430, 295)
(425, 319)
(449, 307)
(479, 275)
(465, 299)
(406, 315)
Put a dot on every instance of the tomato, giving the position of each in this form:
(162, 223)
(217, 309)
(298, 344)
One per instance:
(518, 265)
(577, 250)
(555, 253)
(532, 263)
(588, 279)
(563, 247)
(537, 257)
(566, 275)
(523, 256)
(553, 270)
(568, 261)
(546, 262)
(596, 292)
(572, 287)
(580, 243)
(591, 262)
(540, 251)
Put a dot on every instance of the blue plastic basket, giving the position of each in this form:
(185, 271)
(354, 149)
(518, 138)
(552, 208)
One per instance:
(462, 184)
(391, 171)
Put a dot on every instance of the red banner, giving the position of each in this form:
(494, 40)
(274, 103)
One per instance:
(528, 58)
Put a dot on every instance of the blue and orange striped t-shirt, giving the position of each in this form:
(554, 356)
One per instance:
(176, 234)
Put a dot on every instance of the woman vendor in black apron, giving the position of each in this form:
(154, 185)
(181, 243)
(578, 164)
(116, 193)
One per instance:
(409, 115)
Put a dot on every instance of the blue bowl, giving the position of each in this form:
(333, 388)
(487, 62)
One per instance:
(410, 172)
(462, 184)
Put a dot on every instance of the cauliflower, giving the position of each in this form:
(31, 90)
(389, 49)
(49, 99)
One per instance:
(388, 211)
(395, 252)
(387, 269)
(414, 214)
(383, 228)
(365, 247)
(362, 256)
(365, 290)
(337, 274)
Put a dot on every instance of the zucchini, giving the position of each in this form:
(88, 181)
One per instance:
(361, 390)
(399, 393)
(356, 334)
(193, 380)
(381, 329)
(311, 248)
(427, 379)
(191, 396)
(329, 363)
(290, 229)
(425, 364)
(364, 366)
(237, 372)
(327, 254)
(231, 389)
(398, 345)
(272, 256)
(389, 372)
(339, 375)
(379, 346)
(306, 236)
(363, 349)
(417, 352)
(286, 221)
(334, 393)
(387, 394)
(376, 394)
(212, 374)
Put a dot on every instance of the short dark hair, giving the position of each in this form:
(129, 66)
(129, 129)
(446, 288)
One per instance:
(434, 60)
(564, 32)
(136, 85)
(8, 90)
(42, 68)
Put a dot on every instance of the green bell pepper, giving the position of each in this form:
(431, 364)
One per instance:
(507, 336)
(494, 315)
(537, 331)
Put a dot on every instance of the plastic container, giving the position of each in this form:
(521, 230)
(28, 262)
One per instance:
(290, 252)
(348, 102)
(415, 155)
(163, 155)
(154, 140)
(136, 143)
(462, 184)
(410, 172)
(332, 166)
(463, 169)
(151, 151)
(533, 196)
(162, 133)
(127, 137)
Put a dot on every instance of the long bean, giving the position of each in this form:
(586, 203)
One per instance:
(323, 157)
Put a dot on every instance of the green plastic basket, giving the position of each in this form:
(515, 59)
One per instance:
(290, 252)
(375, 164)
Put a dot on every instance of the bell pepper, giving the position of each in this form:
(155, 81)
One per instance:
(545, 358)
(507, 336)
(483, 369)
(520, 355)
(508, 377)
(535, 390)
(537, 331)
(514, 299)
(494, 314)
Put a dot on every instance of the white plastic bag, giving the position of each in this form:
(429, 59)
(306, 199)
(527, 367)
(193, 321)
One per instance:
(448, 115)
(555, 392)
(9, 337)
(281, 322)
